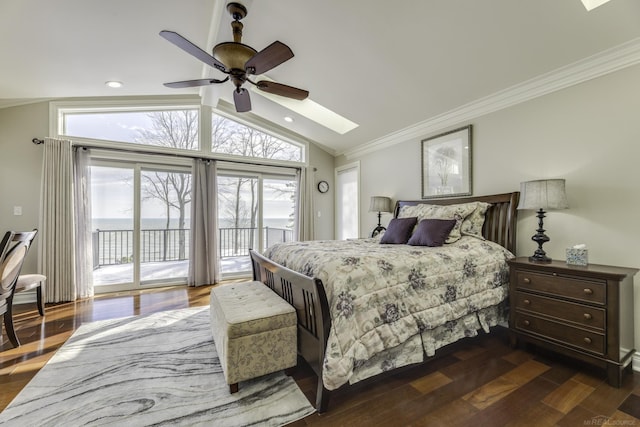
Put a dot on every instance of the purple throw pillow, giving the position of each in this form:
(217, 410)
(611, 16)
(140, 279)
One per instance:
(432, 232)
(399, 230)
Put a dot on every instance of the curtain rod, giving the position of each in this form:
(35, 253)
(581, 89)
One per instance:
(38, 141)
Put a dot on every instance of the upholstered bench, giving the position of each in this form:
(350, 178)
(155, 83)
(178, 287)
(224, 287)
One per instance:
(254, 331)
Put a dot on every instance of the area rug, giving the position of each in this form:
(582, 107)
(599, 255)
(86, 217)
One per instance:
(158, 369)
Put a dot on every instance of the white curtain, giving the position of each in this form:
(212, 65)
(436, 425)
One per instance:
(204, 265)
(56, 229)
(82, 202)
(304, 204)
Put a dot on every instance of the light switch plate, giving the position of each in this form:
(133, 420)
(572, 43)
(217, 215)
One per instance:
(17, 210)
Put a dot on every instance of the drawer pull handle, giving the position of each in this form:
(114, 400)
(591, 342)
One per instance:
(526, 323)
(526, 280)
(587, 340)
(526, 302)
(587, 316)
(588, 291)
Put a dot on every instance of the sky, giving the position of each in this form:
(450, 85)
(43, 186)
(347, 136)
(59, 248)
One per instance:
(119, 126)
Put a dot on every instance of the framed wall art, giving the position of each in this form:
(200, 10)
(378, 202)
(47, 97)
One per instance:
(446, 164)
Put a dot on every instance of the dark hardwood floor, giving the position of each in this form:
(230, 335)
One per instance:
(480, 382)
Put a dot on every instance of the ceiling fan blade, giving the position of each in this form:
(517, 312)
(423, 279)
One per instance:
(242, 100)
(192, 49)
(269, 57)
(194, 83)
(282, 90)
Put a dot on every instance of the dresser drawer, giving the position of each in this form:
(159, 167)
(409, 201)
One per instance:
(583, 339)
(580, 314)
(592, 291)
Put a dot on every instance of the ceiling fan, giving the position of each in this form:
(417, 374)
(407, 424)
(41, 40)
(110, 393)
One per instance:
(238, 61)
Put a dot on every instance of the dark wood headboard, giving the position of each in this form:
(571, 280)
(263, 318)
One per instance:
(500, 222)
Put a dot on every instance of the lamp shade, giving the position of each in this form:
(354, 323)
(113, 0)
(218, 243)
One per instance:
(380, 204)
(543, 194)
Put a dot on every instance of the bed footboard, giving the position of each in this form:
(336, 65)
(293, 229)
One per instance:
(307, 296)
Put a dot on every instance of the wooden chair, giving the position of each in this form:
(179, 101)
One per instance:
(13, 250)
(27, 282)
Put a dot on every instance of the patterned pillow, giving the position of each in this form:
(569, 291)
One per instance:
(431, 232)
(425, 211)
(472, 225)
(399, 230)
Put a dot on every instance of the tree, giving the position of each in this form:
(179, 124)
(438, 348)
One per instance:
(233, 138)
(179, 129)
(172, 129)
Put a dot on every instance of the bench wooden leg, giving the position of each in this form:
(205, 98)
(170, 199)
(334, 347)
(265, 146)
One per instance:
(233, 388)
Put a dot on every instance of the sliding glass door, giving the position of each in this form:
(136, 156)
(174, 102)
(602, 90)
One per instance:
(165, 213)
(112, 224)
(140, 222)
(255, 211)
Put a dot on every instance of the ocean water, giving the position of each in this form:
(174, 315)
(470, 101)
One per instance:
(160, 223)
(127, 223)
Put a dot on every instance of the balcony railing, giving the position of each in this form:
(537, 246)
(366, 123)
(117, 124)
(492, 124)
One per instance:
(111, 247)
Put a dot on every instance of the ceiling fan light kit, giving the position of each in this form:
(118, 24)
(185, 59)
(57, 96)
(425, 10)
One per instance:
(238, 61)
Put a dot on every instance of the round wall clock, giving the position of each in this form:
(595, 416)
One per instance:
(323, 186)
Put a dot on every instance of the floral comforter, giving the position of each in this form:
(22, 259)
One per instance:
(383, 296)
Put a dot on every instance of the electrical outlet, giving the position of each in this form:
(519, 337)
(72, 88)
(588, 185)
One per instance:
(17, 210)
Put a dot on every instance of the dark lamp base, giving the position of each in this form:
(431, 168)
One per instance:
(379, 229)
(539, 258)
(540, 238)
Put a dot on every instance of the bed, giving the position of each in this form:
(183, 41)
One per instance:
(365, 307)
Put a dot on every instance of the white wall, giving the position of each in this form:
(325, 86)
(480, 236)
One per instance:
(20, 169)
(588, 134)
(323, 203)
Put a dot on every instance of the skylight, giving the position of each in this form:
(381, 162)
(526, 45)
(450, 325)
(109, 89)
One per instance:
(592, 4)
(313, 111)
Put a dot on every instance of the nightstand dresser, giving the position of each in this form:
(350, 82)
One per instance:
(582, 312)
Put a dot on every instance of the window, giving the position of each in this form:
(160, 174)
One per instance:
(140, 224)
(347, 196)
(141, 201)
(169, 128)
(230, 137)
(256, 209)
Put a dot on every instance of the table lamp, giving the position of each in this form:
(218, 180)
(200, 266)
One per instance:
(540, 195)
(379, 204)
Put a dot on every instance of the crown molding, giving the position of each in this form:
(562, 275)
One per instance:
(600, 64)
(17, 102)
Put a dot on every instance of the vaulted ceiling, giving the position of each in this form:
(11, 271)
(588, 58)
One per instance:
(390, 67)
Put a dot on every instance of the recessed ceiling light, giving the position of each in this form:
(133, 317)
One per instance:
(288, 119)
(113, 84)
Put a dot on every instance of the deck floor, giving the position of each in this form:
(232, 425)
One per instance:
(123, 273)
